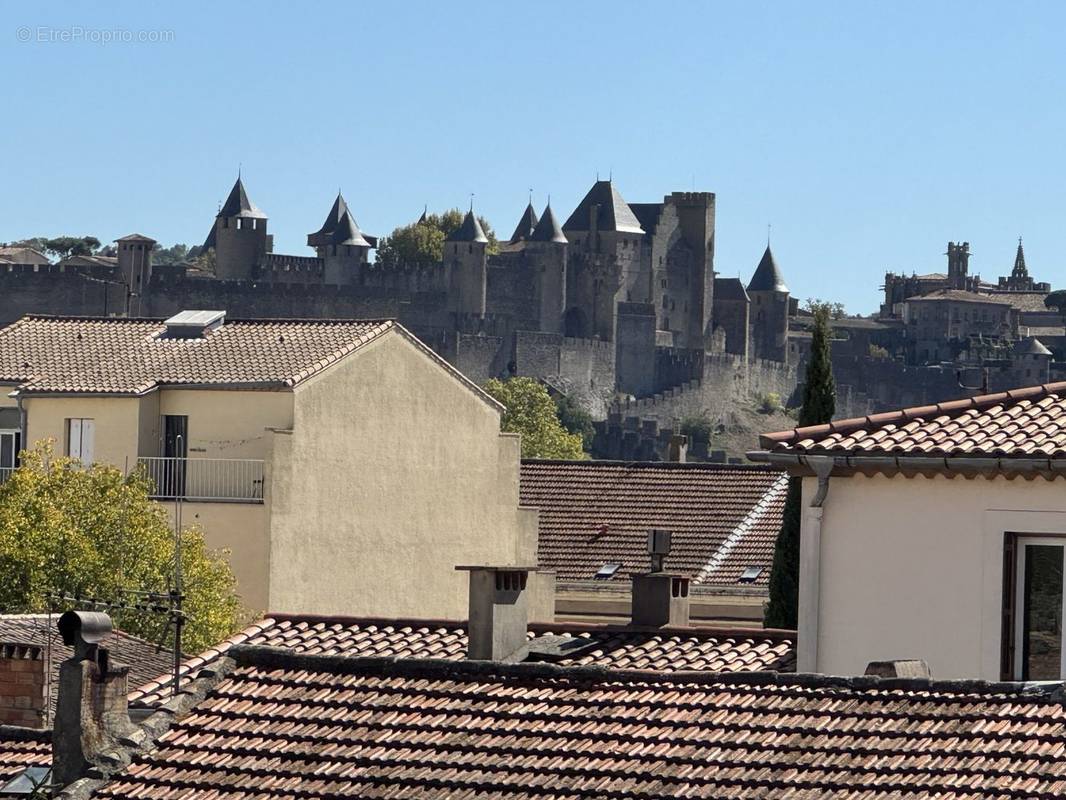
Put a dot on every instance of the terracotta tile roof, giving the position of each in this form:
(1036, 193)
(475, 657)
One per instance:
(145, 660)
(282, 725)
(21, 748)
(1020, 423)
(84, 354)
(612, 646)
(599, 512)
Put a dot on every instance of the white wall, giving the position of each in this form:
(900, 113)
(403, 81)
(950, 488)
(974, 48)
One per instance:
(913, 568)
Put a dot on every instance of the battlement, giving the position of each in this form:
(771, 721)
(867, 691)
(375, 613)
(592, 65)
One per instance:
(280, 268)
(691, 198)
(95, 270)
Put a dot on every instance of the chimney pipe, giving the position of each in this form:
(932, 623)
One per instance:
(23, 685)
(659, 598)
(498, 612)
(91, 711)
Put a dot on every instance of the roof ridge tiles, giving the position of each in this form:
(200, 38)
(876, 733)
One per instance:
(263, 657)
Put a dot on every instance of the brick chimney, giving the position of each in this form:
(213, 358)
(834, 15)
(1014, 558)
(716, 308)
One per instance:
(23, 685)
(498, 612)
(658, 597)
(91, 712)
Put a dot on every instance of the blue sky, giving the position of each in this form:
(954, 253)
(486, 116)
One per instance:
(867, 134)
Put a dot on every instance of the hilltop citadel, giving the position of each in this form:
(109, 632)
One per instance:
(619, 306)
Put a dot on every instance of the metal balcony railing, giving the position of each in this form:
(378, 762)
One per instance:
(5, 473)
(234, 480)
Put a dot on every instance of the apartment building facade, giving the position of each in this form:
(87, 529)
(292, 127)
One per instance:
(306, 448)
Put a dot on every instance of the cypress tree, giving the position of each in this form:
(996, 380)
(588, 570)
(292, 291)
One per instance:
(819, 405)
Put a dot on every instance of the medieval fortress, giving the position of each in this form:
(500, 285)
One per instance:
(619, 306)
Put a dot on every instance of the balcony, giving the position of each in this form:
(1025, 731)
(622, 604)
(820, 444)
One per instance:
(5, 473)
(205, 480)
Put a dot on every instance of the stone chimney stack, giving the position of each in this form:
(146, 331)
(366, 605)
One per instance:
(499, 612)
(659, 598)
(91, 712)
(23, 685)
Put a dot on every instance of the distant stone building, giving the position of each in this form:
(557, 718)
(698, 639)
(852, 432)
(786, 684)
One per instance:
(619, 298)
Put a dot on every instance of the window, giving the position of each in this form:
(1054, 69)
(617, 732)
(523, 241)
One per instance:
(10, 444)
(1033, 607)
(80, 436)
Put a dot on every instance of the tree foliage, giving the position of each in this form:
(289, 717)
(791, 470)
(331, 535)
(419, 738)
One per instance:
(92, 531)
(531, 412)
(819, 405)
(422, 242)
(697, 428)
(61, 246)
(1056, 300)
(174, 254)
(835, 310)
(576, 420)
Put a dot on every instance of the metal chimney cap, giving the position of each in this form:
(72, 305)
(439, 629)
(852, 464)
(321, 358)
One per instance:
(90, 627)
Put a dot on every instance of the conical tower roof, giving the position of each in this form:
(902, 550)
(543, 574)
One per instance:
(1031, 347)
(469, 231)
(612, 212)
(525, 226)
(548, 229)
(238, 204)
(339, 228)
(767, 277)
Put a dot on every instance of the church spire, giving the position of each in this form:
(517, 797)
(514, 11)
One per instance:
(1020, 270)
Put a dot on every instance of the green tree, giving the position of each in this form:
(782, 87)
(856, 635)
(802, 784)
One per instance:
(576, 420)
(92, 531)
(697, 428)
(64, 246)
(836, 310)
(422, 242)
(530, 411)
(819, 405)
(174, 254)
(1057, 301)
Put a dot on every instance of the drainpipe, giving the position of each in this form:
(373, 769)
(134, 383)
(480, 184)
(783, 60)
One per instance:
(811, 567)
(22, 421)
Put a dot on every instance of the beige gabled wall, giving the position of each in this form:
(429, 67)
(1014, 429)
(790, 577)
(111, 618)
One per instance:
(913, 568)
(117, 424)
(395, 472)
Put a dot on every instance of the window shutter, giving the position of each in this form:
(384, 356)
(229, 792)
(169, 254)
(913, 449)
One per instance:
(1010, 570)
(88, 435)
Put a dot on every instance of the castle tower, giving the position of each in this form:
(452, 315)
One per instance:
(135, 267)
(465, 254)
(769, 310)
(605, 262)
(1031, 362)
(958, 264)
(341, 245)
(525, 226)
(546, 250)
(239, 236)
(695, 214)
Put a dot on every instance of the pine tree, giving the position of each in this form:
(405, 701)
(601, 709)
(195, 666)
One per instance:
(819, 405)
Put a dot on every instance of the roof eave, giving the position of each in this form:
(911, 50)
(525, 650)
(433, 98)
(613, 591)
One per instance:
(847, 463)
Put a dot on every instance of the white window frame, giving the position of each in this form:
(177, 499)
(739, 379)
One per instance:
(1021, 545)
(81, 439)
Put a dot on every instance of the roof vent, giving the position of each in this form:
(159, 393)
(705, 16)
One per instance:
(194, 324)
